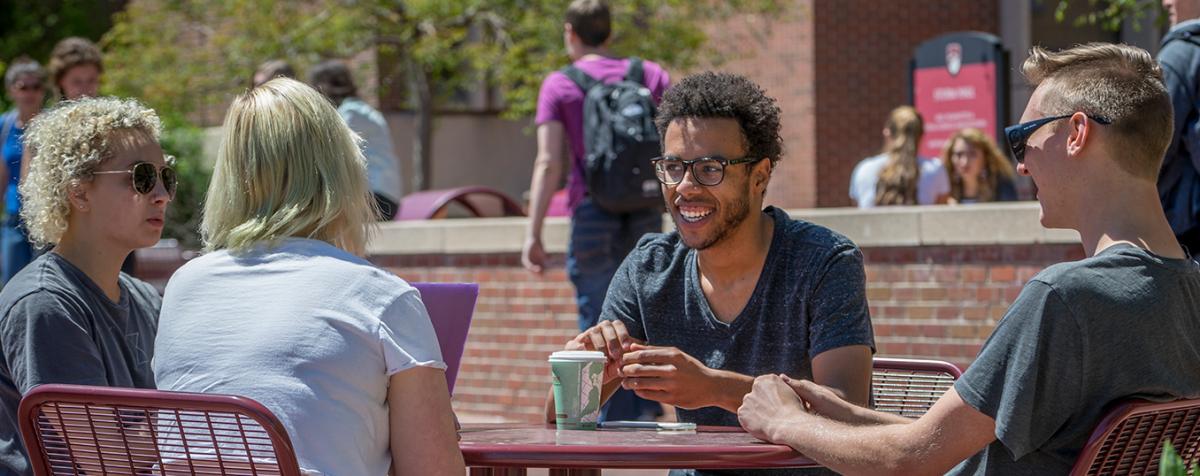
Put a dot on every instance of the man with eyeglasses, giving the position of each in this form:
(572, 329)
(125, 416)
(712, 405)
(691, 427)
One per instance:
(1122, 323)
(737, 290)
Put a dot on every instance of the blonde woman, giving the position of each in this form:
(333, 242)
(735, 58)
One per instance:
(97, 189)
(978, 172)
(284, 310)
(898, 176)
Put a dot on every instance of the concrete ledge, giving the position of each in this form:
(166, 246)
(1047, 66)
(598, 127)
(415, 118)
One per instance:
(1000, 224)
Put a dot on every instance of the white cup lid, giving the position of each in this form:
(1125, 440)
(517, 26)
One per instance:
(577, 356)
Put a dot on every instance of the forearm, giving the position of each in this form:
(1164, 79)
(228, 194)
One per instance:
(547, 174)
(729, 388)
(875, 449)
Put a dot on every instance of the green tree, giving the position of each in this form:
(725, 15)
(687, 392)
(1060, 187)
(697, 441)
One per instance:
(187, 58)
(1111, 14)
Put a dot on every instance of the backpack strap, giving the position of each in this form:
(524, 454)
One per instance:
(580, 78)
(636, 72)
(7, 122)
(1184, 34)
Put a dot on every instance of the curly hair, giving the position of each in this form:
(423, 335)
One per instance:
(69, 142)
(726, 95)
(71, 52)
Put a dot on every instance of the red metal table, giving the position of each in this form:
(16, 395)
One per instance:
(508, 450)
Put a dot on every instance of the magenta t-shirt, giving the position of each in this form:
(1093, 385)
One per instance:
(561, 100)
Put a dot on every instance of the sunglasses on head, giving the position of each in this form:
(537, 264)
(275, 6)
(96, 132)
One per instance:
(1018, 134)
(145, 177)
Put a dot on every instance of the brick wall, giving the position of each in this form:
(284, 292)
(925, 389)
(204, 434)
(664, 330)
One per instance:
(862, 55)
(934, 301)
(836, 67)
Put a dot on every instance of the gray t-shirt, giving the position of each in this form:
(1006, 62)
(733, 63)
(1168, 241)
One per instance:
(810, 298)
(1081, 335)
(58, 326)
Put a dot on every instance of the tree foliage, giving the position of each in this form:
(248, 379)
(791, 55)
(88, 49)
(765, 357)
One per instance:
(1112, 14)
(187, 58)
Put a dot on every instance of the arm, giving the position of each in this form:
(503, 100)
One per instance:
(847, 371)
(26, 156)
(951, 432)
(671, 376)
(423, 438)
(547, 174)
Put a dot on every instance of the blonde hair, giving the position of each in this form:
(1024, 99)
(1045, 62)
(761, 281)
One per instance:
(898, 180)
(995, 165)
(69, 142)
(1119, 82)
(288, 166)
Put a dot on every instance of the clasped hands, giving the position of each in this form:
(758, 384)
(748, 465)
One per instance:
(662, 374)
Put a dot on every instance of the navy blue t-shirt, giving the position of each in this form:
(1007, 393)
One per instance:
(810, 298)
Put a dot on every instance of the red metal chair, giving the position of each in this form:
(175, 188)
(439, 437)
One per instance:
(76, 429)
(478, 201)
(1129, 440)
(909, 387)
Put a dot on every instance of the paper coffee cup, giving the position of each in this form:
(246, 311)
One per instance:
(578, 377)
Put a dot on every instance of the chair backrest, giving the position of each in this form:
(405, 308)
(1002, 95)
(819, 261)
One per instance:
(77, 429)
(909, 387)
(1129, 439)
(450, 306)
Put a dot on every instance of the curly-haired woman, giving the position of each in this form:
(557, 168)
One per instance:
(97, 188)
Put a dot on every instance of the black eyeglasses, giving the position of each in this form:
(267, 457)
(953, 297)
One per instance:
(146, 175)
(707, 171)
(1018, 134)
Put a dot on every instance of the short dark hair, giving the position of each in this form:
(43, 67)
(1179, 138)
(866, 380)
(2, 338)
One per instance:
(333, 79)
(591, 20)
(726, 95)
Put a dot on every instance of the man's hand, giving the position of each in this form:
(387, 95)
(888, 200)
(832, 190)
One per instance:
(610, 337)
(769, 406)
(668, 375)
(821, 400)
(533, 255)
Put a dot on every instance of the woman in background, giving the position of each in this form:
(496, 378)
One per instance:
(898, 176)
(25, 82)
(75, 67)
(283, 309)
(978, 172)
(332, 78)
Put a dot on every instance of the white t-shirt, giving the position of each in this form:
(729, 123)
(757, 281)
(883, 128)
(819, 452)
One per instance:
(308, 330)
(933, 181)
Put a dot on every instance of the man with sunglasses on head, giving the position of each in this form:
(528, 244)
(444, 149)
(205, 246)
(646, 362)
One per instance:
(737, 290)
(1122, 323)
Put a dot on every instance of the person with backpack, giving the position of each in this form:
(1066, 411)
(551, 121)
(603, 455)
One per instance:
(738, 290)
(601, 109)
(1179, 178)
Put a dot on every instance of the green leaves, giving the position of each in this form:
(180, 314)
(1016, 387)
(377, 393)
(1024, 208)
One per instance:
(1172, 464)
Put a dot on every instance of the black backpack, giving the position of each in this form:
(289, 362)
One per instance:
(619, 139)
